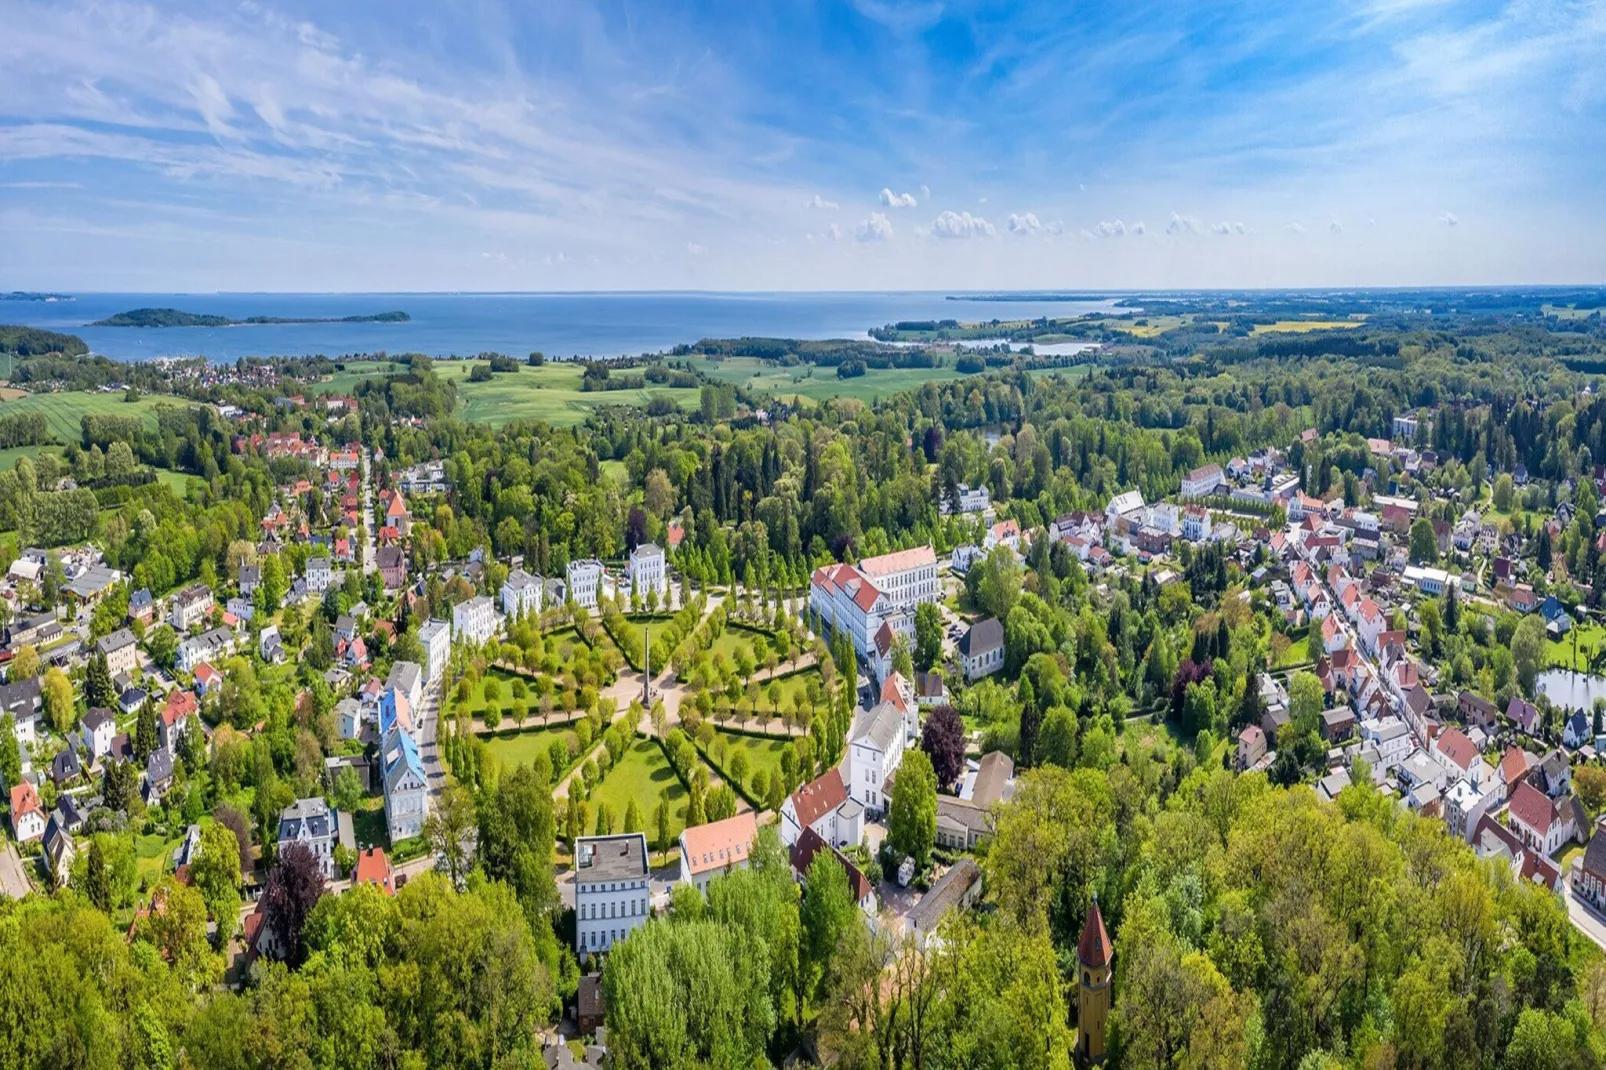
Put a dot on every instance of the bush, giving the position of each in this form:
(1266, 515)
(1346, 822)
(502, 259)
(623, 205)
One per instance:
(493, 717)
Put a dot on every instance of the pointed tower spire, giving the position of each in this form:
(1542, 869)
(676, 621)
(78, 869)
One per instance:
(1094, 950)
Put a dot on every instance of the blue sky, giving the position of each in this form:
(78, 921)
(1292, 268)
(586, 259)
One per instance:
(863, 145)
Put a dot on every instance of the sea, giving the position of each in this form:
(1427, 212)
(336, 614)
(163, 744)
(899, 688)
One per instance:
(561, 325)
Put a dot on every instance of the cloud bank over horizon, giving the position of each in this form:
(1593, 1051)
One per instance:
(295, 146)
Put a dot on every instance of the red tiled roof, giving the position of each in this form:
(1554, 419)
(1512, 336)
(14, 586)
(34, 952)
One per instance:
(719, 843)
(1532, 807)
(1094, 950)
(374, 868)
(180, 704)
(1514, 765)
(819, 797)
(24, 800)
(1454, 745)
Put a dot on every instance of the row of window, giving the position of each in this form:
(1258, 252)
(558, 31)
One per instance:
(592, 913)
(613, 886)
(599, 939)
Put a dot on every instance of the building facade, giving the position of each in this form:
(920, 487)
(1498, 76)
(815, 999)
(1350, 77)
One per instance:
(474, 620)
(612, 890)
(585, 582)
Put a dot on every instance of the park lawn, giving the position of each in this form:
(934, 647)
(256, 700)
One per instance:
(345, 380)
(644, 775)
(1574, 650)
(795, 683)
(179, 481)
(64, 412)
(761, 753)
(738, 637)
(815, 382)
(551, 393)
(514, 748)
(504, 680)
(1140, 733)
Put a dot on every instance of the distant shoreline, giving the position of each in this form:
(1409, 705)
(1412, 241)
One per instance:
(172, 317)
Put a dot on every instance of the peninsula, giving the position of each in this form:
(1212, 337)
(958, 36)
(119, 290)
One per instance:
(172, 317)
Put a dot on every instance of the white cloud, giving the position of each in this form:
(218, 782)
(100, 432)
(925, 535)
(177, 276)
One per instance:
(1024, 224)
(1335, 227)
(835, 232)
(1449, 219)
(876, 228)
(897, 200)
(1054, 226)
(1295, 228)
(1221, 228)
(1184, 224)
(694, 249)
(925, 191)
(1139, 229)
(1239, 227)
(1111, 229)
(818, 201)
(962, 225)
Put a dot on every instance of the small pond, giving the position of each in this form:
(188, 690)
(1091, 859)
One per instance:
(1571, 690)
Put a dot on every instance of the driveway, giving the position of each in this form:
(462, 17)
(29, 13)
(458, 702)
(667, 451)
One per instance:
(13, 873)
(429, 730)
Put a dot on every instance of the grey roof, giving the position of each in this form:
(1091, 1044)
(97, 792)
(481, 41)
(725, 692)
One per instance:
(318, 563)
(94, 580)
(250, 574)
(982, 637)
(309, 819)
(21, 698)
(139, 599)
(944, 895)
(160, 765)
(97, 717)
(65, 766)
(878, 725)
(519, 579)
(611, 858)
(116, 641)
(404, 675)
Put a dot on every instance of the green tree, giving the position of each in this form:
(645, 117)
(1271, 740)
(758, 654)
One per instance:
(215, 872)
(928, 635)
(1504, 492)
(25, 666)
(10, 751)
(97, 879)
(912, 817)
(1528, 651)
(98, 682)
(1424, 544)
(58, 701)
(162, 643)
(828, 911)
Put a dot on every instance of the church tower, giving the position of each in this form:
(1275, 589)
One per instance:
(1093, 965)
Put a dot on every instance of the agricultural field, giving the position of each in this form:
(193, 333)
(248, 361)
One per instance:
(645, 776)
(1305, 326)
(817, 383)
(551, 393)
(345, 381)
(515, 748)
(10, 457)
(65, 411)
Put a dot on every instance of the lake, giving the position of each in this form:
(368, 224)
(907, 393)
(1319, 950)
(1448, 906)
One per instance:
(465, 324)
(1571, 690)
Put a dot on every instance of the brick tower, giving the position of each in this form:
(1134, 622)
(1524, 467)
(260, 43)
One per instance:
(1093, 960)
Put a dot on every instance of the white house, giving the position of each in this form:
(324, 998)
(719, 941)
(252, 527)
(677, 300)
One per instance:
(970, 499)
(1195, 523)
(435, 636)
(648, 574)
(708, 851)
(1392, 739)
(521, 594)
(99, 728)
(210, 646)
(612, 890)
(907, 577)
(121, 651)
(846, 600)
(823, 805)
(27, 815)
(585, 582)
(474, 620)
(1542, 823)
(311, 823)
(1202, 481)
(875, 747)
(1128, 505)
(318, 574)
(981, 649)
(406, 786)
(190, 606)
(408, 678)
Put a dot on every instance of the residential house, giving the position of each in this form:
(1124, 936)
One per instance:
(1203, 481)
(314, 825)
(59, 851)
(24, 701)
(99, 726)
(1478, 711)
(120, 649)
(964, 820)
(968, 499)
(1251, 746)
(612, 890)
(648, 572)
(191, 606)
(1524, 715)
(1128, 504)
(318, 574)
(209, 646)
(1543, 823)
(809, 846)
(981, 649)
(141, 606)
(27, 814)
(585, 582)
(174, 720)
(474, 620)
(521, 594)
(707, 851)
(408, 678)
(956, 889)
(1338, 724)
(435, 636)
(406, 786)
(158, 776)
(373, 867)
(823, 806)
(875, 747)
(1576, 732)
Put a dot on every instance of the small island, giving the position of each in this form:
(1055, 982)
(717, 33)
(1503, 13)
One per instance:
(172, 317)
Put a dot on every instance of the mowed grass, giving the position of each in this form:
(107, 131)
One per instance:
(64, 412)
(644, 776)
(551, 393)
(762, 754)
(345, 381)
(1591, 639)
(10, 457)
(513, 748)
(818, 383)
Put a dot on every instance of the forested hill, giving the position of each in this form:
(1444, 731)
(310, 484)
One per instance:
(33, 342)
(172, 317)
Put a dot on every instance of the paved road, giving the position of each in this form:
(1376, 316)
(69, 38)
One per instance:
(428, 731)
(1584, 918)
(13, 876)
(368, 558)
